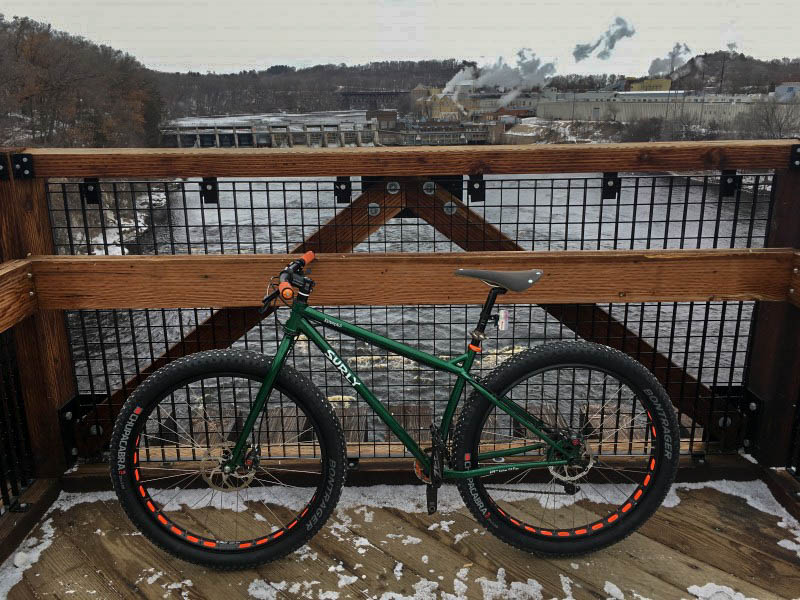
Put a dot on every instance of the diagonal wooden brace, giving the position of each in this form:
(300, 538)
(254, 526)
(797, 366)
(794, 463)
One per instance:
(473, 233)
(342, 233)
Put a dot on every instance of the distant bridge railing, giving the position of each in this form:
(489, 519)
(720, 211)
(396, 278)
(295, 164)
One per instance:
(695, 275)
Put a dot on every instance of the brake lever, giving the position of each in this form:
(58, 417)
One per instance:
(267, 301)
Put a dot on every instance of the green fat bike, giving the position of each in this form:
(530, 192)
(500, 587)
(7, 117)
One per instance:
(230, 459)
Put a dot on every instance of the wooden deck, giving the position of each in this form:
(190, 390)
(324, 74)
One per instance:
(367, 551)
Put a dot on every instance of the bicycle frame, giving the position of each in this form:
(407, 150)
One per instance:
(300, 321)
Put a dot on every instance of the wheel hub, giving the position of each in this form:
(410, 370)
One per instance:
(224, 478)
(576, 468)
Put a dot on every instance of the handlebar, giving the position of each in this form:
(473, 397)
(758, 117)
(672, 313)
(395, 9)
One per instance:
(285, 286)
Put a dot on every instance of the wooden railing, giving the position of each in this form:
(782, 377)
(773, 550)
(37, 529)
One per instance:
(36, 285)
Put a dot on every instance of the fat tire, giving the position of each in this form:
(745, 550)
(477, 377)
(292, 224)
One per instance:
(299, 388)
(511, 372)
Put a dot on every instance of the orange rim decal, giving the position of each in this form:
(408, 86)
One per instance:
(136, 474)
(515, 522)
(192, 539)
(612, 518)
(279, 534)
(137, 410)
(653, 428)
(162, 520)
(150, 506)
(637, 495)
(627, 507)
(652, 464)
(580, 531)
(292, 524)
(210, 544)
(175, 530)
(529, 528)
(142, 492)
(563, 533)
(245, 545)
(646, 480)
(262, 541)
(545, 532)
(597, 526)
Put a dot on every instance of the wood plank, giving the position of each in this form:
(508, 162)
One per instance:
(75, 282)
(16, 301)
(43, 352)
(14, 526)
(411, 161)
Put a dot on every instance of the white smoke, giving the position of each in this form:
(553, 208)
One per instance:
(618, 30)
(674, 59)
(508, 98)
(464, 74)
(528, 72)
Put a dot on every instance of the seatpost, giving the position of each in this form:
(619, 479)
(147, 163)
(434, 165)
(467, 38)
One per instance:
(478, 333)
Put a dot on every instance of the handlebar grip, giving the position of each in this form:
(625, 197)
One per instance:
(308, 257)
(286, 291)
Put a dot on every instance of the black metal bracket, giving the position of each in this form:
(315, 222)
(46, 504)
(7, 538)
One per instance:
(90, 190)
(343, 189)
(612, 184)
(209, 190)
(729, 183)
(22, 165)
(794, 157)
(5, 170)
(476, 188)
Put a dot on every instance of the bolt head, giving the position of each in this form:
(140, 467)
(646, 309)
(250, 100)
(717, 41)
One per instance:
(31, 294)
(752, 406)
(74, 452)
(746, 443)
(227, 469)
(67, 416)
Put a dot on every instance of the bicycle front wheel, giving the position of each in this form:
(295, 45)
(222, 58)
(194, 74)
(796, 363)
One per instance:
(600, 401)
(176, 433)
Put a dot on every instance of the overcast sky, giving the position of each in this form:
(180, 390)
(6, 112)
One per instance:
(231, 35)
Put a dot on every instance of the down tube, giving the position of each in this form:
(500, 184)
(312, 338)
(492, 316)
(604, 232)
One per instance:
(363, 391)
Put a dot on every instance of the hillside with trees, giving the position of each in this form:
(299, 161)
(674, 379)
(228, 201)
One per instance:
(62, 90)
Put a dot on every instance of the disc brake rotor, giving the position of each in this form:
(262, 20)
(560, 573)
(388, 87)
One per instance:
(214, 473)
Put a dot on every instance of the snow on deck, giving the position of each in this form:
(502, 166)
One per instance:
(716, 540)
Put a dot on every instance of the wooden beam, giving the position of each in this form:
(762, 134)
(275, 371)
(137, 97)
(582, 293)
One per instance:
(773, 376)
(17, 300)
(42, 347)
(794, 284)
(92, 282)
(410, 161)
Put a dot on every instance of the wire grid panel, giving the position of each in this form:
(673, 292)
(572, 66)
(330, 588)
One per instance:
(705, 341)
(16, 463)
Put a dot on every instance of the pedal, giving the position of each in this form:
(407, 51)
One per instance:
(432, 493)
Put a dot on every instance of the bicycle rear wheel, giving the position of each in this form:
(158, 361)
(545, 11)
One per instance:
(175, 434)
(600, 400)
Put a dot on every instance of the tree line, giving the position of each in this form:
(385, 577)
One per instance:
(58, 89)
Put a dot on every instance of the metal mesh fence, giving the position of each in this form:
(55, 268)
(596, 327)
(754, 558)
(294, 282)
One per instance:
(698, 349)
(16, 468)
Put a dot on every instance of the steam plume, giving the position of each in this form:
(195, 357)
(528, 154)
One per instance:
(674, 59)
(618, 30)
